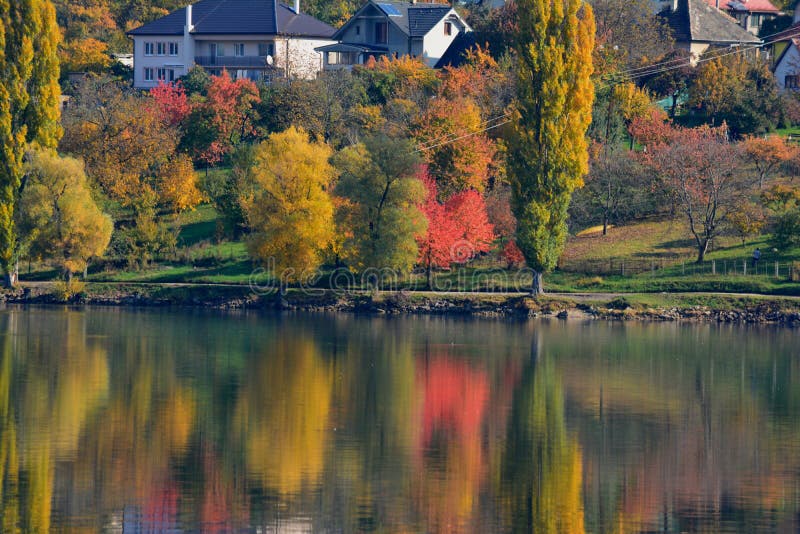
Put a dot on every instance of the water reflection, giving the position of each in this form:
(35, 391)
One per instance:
(153, 421)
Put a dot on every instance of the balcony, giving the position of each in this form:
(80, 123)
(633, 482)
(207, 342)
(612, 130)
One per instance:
(233, 62)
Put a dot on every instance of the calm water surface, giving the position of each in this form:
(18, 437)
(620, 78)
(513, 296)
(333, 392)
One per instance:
(173, 421)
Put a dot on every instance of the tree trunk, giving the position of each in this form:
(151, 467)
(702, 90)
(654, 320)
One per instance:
(537, 286)
(11, 277)
(702, 248)
(68, 276)
(429, 273)
(674, 105)
(605, 224)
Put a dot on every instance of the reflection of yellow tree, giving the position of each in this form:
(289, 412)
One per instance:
(542, 467)
(58, 395)
(282, 415)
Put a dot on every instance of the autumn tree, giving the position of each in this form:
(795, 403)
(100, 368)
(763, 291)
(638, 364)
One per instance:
(225, 118)
(29, 104)
(629, 33)
(784, 202)
(767, 155)
(171, 102)
(451, 138)
(699, 169)
(290, 212)
(675, 80)
(382, 194)
(474, 231)
(436, 244)
(85, 55)
(128, 147)
(616, 189)
(547, 154)
(739, 91)
(57, 214)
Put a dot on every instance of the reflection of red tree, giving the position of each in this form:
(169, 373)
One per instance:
(449, 481)
(455, 399)
(160, 511)
(220, 510)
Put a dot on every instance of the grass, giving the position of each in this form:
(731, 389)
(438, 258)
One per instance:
(658, 256)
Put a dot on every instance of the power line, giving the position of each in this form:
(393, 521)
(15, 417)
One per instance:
(438, 141)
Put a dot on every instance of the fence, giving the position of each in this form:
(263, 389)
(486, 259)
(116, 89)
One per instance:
(681, 267)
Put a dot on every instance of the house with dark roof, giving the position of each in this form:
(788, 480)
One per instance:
(254, 39)
(751, 14)
(697, 26)
(393, 29)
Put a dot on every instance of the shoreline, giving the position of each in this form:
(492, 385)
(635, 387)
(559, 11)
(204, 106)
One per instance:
(654, 307)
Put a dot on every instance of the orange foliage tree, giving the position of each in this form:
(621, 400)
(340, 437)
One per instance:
(767, 154)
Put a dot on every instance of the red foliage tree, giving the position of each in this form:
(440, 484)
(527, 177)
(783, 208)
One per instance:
(230, 105)
(171, 102)
(475, 231)
(699, 169)
(512, 254)
(436, 245)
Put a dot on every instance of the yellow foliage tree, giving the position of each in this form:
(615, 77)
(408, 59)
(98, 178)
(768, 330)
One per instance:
(291, 211)
(548, 151)
(84, 55)
(177, 184)
(58, 214)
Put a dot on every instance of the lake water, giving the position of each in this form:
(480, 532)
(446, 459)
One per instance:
(171, 421)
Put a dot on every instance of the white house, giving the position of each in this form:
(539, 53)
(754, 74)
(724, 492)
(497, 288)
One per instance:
(255, 39)
(388, 28)
(786, 46)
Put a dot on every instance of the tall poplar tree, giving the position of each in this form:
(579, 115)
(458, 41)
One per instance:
(548, 156)
(29, 110)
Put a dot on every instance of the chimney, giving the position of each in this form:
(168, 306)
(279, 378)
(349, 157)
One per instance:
(717, 4)
(674, 5)
(297, 7)
(189, 26)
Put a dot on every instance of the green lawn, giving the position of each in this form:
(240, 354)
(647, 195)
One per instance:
(654, 255)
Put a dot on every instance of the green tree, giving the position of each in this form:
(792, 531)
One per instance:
(381, 215)
(58, 215)
(548, 155)
(291, 210)
(29, 95)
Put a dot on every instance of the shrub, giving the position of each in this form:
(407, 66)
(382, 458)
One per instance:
(67, 291)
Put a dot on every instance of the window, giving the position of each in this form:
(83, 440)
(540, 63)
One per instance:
(166, 75)
(173, 49)
(148, 49)
(448, 28)
(792, 81)
(381, 32)
(161, 49)
(148, 74)
(238, 49)
(358, 30)
(342, 58)
(266, 49)
(217, 49)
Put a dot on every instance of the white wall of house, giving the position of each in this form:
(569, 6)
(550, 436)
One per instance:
(298, 57)
(147, 65)
(437, 41)
(788, 67)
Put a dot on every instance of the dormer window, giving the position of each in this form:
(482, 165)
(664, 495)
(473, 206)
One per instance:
(358, 30)
(381, 32)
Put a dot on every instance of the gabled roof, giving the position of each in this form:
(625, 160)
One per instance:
(696, 21)
(793, 43)
(414, 19)
(751, 6)
(238, 17)
(456, 53)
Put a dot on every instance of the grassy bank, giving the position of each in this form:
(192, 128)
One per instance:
(650, 256)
